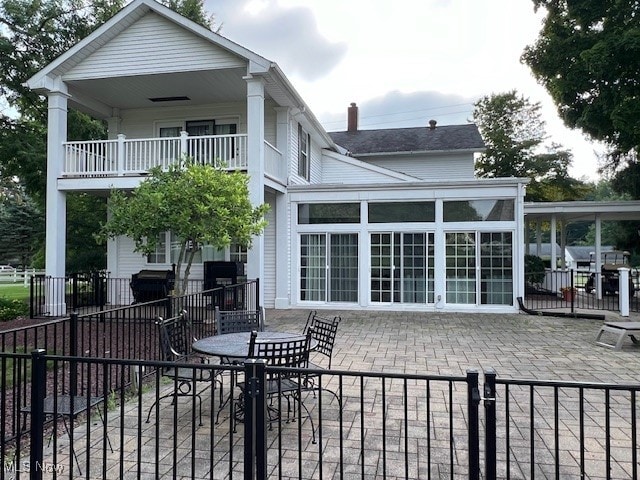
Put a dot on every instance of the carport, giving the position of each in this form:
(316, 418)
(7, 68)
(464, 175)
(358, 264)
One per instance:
(562, 213)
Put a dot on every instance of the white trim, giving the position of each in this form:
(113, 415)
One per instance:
(112, 27)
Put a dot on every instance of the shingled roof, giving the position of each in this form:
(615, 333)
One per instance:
(415, 139)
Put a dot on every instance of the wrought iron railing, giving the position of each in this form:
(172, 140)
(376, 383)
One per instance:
(377, 425)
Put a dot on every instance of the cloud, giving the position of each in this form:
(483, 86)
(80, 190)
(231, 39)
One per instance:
(397, 109)
(288, 36)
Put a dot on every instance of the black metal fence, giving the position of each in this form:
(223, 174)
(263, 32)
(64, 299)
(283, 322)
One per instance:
(577, 290)
(373, 425)
(80, 292)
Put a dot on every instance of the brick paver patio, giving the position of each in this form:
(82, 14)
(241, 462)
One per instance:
(516, 346)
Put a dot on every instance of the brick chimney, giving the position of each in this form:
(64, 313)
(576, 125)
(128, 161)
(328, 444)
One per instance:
(352, 118)
(432, 124)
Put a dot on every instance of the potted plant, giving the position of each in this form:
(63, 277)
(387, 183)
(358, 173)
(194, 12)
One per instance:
(569, 293)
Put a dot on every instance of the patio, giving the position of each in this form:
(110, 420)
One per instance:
(516, 346)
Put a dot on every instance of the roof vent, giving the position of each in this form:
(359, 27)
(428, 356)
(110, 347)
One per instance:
(432, 124)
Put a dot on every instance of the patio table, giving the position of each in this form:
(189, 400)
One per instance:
(235, 346)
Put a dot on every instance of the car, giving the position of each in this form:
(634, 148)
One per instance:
(7, 269)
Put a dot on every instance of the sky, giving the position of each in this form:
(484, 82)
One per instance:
(403, 62)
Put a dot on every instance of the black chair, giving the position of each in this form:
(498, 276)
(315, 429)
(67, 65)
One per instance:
(292, 352)
(175, 346)
(324, 331)
(71, 406)
(234, 321)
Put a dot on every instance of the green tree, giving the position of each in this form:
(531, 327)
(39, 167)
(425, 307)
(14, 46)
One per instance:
(21, 228)
(514, 133)
(200, 204)
(588, 58)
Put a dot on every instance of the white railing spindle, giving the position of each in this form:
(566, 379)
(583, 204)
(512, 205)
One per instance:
(123, 156)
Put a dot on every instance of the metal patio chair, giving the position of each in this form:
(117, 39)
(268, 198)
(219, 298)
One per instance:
(292, 352)
(175, 346)
(324, 331)
(235, 321)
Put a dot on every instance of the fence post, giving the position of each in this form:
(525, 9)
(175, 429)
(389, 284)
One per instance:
(624, 292)
(490, 423)
(32, 297)
(473, 400)
(38, 392)
(255, 426)
(74, 290)
(73, 352)
(257, 294)
(573, 291)
(169, 307)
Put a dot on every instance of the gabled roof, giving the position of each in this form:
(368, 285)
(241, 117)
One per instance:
(410, 140)
(121, 20)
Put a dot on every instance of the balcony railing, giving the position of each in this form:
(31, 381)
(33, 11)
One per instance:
(120, 157)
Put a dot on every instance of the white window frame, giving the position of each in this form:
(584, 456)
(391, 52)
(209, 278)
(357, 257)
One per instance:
(304, 153)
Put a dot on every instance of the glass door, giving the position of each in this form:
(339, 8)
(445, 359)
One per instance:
(329, 267)
(460, 261)
(496, 268)
(479, 268)
(402, 267)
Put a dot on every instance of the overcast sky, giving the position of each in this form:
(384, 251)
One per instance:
(403, 62)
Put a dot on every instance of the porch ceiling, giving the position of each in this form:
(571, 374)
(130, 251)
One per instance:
(580, 211)
(202, 87)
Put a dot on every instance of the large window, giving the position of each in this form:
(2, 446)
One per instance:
(402, 267)
(329, 267)
(304, 143)
(405, 212)
(478, 210)
(160, 253)
(324, 213)
(168, 246)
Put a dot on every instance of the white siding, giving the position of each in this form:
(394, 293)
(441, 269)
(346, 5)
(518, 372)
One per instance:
(141, 123)
(270, 123)
(153, 45)
(269, 281)
(316, 163)
(429, 167)
(335, 171)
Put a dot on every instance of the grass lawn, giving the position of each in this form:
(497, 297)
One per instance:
(14, 291)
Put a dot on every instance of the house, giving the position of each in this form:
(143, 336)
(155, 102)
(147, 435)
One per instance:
(378, 219)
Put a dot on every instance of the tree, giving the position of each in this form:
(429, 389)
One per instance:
(21, 227)
(514, 133)
(200, 204)
(588, 58)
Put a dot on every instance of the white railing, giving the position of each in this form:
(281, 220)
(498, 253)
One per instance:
(91, 158)
(274, 162)
(101, 158)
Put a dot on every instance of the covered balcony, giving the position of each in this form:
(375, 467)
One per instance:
(136, 156)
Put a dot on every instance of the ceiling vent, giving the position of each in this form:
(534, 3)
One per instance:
(169, 99)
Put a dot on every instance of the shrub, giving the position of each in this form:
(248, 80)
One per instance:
(533, 269)
(12, 308)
